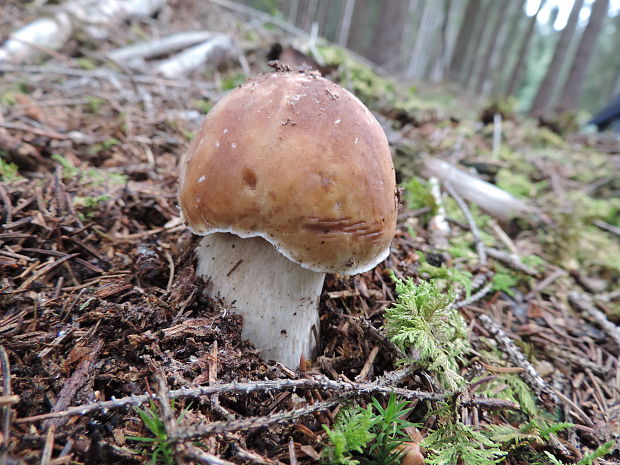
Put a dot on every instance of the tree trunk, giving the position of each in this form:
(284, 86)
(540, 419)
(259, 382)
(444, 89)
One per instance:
(439, 70)
(517, 70)
(419, 52)
(545, 93)
(360, 33)
(571, 92)
(322, 16)
(438, 21)
(345, 25)
(473, 49)
(388, 32)
(463, 39)
(612, 89)
(293, 8)
(500, 18)
(507, 42)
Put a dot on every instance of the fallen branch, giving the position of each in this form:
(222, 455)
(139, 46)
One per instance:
(251, 423)
(6, 409)
(493, 200)
(515, 355)
(481, 249)
(513, 261)
(106, 74)
(155, 47)
(584, 303)
(268, 386)
(214, 51)
(439, 228)
(96, 17)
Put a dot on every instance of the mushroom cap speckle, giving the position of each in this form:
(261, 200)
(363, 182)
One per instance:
(298, 160)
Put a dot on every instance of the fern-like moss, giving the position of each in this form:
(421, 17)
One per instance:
(350, 434)
(422, 321)
(455, 442)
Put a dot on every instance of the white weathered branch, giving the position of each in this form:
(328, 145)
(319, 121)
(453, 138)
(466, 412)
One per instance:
(490, 198)
(215, 50)
(23, 44)
(153, 48)
(96, 17)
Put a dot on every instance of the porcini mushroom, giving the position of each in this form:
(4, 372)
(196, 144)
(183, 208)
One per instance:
(289, 177)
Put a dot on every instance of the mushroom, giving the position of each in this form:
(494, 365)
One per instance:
(289, 177)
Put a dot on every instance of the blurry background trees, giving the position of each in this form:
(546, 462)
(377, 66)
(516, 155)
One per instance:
(551, 55)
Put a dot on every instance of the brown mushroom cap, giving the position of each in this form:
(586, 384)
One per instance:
(298, 160)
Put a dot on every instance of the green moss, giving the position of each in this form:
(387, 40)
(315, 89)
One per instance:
(519, 184)
(202, 105)
(422, 319)
(8, 171)
(233, 81)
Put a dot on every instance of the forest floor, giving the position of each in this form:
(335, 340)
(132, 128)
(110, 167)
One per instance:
(100, 304)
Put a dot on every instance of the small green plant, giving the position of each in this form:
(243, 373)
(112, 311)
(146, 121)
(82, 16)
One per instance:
(423, 321)
(368, 436)
(587, 459)
(504, 282)
(94, 103)
(234, 81)
(68, 169)
(87, 205)
(161, 449)
(508, 386)
(454, 442)
(350, 434)
(104, 145)
(418, 195)
(93, 176)
(450, 275)
(389, 427)
(532, 432)
(203, 105)
(518, 184)
(86, 63)
(8, 171)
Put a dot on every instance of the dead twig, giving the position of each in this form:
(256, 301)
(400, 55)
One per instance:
(512, 261)
(379, 337)
(475, 297)
(6, 409)
(46, 455)
(557, 274)
(515, 355)
(270, 386)
(200, 456)
(607, 227)
(584, 303)
(480, 247)
(252, 423)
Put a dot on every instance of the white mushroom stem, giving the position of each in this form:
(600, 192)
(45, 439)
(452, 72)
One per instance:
(277, 298)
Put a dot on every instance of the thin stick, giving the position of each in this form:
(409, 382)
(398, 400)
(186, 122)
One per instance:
(291, 452)
(474, 298)
(511, 260)
(46, 456)
(516, 356)
(480, 247)
(584, 303)
(6, 410)
(200, 456)
(251, 423)
(268, 386)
